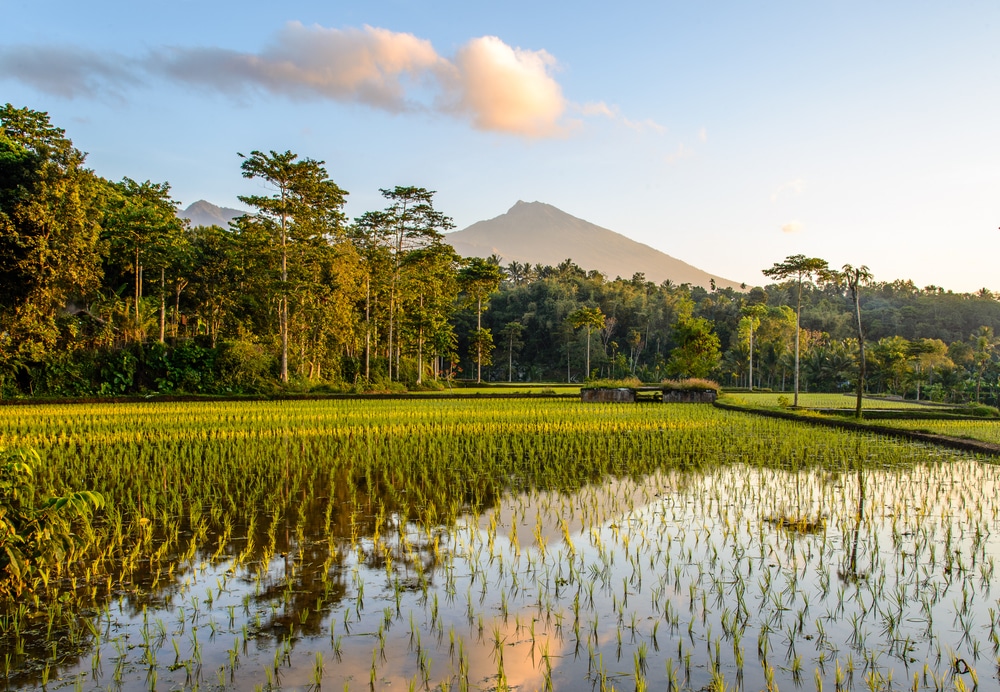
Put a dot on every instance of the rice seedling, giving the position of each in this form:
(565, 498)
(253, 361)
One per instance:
(294, 518)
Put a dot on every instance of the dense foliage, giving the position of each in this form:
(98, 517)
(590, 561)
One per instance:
(104, 291)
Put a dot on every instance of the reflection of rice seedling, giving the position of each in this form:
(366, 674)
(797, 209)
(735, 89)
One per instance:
(565, 526)
(798, 524)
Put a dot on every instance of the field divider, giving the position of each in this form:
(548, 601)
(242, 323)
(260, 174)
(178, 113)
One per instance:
(959, 443)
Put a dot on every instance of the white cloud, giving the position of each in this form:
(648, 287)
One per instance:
(682, 152)
(791, 227)
(601, 109)
(791, 187)
(702, 135)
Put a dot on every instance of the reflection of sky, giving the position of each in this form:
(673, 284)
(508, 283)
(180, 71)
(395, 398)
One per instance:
(671, 568)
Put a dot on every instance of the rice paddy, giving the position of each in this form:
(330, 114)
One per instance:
(503, 544)
(987, 430)
(825, 400)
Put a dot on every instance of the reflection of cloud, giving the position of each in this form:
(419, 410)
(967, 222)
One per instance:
(791, 227)
(556, 516)
(495, 86)
(792, 187)
(67, 72)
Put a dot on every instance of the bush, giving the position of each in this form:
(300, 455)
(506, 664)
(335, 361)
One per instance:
(244, 365)
(32, 538)
(979, 411)
(691, 384)
(614, 384)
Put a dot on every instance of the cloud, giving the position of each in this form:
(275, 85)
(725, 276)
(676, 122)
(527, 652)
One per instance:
(508, 89)
(702, 135)
(792, 187)
(369, 65)
(682, 152)
(601, 109)
(67, 72)
(495, 86)
(791, 227)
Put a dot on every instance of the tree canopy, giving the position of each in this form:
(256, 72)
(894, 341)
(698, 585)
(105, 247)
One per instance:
(105, 291)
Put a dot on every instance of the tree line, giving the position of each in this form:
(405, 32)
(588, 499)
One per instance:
(104, 290)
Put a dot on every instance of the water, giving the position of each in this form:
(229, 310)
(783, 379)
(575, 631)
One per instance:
(677, 578)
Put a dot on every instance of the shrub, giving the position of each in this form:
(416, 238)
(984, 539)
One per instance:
(614, 384)
(691, 384)
(33, 538)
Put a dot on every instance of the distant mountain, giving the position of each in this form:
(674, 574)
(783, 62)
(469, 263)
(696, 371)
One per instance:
(537, 233)
(203, 213)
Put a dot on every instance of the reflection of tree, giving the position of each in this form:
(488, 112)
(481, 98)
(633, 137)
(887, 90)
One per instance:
(30, 650)
(852, 574)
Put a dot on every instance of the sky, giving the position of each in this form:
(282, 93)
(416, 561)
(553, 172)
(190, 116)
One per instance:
(727, 134)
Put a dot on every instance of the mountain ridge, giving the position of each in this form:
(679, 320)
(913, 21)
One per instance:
(539, 233)
(204, 213)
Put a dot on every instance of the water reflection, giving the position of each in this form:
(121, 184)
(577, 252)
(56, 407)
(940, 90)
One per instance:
(677, 578)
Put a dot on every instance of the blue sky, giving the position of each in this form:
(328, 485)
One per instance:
(726, 134)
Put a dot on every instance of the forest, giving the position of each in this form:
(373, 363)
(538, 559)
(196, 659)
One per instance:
(105, 291)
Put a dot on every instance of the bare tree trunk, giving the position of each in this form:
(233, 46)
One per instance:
(420, 344)
(479, 342)
(368, 327)
(862, 366)
(163, 305)
(798, 328)
(510, 358)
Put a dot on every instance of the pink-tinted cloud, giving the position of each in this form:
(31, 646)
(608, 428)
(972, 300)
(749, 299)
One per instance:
(493, 85)
(507, 89)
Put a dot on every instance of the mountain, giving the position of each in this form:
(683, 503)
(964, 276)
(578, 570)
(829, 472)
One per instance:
(203, 213)
(537, 233)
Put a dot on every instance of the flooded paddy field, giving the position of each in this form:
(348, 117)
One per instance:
(514, 544)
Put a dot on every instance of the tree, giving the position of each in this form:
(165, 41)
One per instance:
(142, 227)
(478, 279)
(305, 206)
(983, 345)
(50, 213)
(928, 356)
(428, 291)
(409, 224)
(591, 318)
(800, 268)
(213, 279)
(889, 356)
(511, 334)
(854, 278)
(697, 352)
(752, 315)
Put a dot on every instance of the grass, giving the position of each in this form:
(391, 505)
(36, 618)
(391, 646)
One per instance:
(826, 401)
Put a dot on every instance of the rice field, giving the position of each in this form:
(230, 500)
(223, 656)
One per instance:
(503, 544)
(986, 430)
(824, 400)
